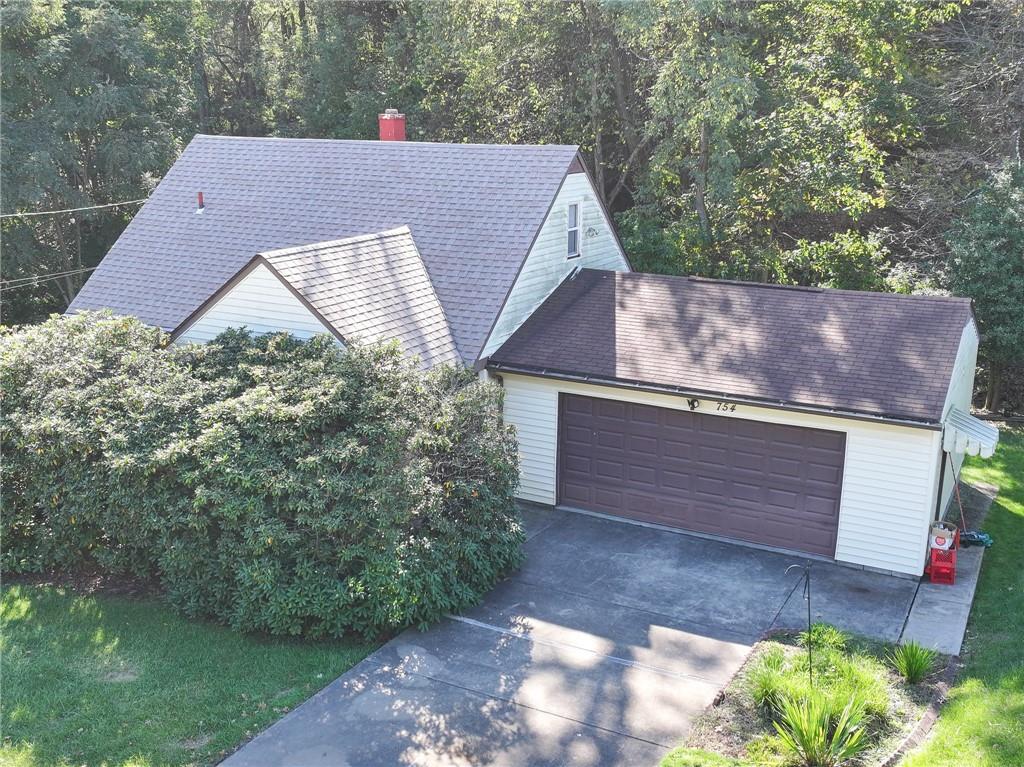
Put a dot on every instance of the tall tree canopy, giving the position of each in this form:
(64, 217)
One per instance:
(830, 142)
(987, 263)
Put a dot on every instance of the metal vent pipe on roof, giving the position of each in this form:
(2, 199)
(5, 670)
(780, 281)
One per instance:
(199, 200)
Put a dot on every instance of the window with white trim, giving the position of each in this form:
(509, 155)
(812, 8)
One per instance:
(572, 230)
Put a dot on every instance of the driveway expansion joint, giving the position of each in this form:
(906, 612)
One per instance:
(520, 704)
(696, 626)
(566, 645)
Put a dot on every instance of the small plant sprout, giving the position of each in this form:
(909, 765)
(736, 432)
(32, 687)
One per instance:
(912, 661)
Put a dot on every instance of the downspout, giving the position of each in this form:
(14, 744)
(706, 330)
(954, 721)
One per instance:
(942, 477)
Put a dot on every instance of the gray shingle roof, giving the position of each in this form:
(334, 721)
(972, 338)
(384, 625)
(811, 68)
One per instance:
(473, 211)
(872, 353)
(371, 288)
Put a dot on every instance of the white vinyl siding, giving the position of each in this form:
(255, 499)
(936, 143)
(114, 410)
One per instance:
(546, 264)
(259, 302)
(889, 475)
(961, 391)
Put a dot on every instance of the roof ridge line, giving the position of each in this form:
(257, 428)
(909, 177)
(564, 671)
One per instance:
(386, 233)
(378, 142)
(697, 279)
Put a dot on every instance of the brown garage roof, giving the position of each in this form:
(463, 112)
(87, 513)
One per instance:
(875, 354)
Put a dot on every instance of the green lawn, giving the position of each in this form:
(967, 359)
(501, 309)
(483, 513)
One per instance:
(982, 725)
(102, 680)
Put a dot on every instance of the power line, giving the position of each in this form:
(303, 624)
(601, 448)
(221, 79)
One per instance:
(26, 282)
(71, 210)
(35, 278)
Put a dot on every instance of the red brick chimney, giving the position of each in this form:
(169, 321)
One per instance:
(392, 125)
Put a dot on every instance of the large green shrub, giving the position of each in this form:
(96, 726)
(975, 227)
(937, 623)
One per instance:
(91, 409)
(275, 485)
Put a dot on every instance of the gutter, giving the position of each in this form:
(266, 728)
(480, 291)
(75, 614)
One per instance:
(680, 391)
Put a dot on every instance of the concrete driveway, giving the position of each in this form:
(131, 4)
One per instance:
(599, 651)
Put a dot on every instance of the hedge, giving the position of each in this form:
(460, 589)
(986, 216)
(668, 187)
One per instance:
(275, 485)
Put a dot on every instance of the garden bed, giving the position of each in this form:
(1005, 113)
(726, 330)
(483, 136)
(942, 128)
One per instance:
(741, 726)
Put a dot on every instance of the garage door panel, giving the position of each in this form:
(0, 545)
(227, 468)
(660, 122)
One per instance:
(827, 475)
(824, 507)
(576, 491)
(713, 426)
(578, 434)
(607, 497)
(643, 445)
(783, 467)
(769, 483)
(608, 470)
(674, 480)
(641, 414)
(712, 454)
(582, 405)
(672, 448)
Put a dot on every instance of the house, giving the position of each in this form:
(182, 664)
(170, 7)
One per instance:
(821, 421)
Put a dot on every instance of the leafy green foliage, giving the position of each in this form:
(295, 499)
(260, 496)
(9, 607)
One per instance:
(817, 734)
(275, 485)
(848, 261)
(839, 675)
(91, 110)
(823, 636)
(813, 142)
(987, 264)
(912, 661)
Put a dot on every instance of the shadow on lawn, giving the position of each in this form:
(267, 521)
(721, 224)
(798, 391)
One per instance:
(115, 680)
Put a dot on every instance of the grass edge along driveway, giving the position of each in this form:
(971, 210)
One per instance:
(122, 682)
(982, 723)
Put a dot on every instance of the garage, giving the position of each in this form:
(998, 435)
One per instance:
(813, 420)
(772, 484)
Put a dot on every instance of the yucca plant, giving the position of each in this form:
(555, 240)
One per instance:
(818, 737)
(912, 661)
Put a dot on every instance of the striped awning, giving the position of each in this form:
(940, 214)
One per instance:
(963, 433)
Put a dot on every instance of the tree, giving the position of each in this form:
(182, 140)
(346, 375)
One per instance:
(90, 106)
(987, 263)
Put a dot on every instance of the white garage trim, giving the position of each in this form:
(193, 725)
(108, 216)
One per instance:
(889, 474)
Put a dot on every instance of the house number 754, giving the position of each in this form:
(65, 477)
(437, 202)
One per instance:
(729, 407)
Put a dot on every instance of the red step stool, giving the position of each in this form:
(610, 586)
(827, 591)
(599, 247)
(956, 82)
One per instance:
(941, 566)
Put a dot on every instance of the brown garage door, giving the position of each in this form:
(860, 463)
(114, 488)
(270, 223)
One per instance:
(761, 482)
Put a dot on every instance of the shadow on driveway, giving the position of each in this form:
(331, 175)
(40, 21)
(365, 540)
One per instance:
(599, 651)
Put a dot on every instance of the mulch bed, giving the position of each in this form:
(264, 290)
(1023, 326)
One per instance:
(729, 727)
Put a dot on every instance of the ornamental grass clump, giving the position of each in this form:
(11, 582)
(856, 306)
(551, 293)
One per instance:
(275, 485)
(912, 661)
(839, 675)
(818, 734)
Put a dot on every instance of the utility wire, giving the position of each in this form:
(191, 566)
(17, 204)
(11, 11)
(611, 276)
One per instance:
(71, 210)
(46, 278)
(35, 278)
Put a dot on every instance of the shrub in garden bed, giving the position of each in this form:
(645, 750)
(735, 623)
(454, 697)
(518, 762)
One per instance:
(272, 484)
(855, 712)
